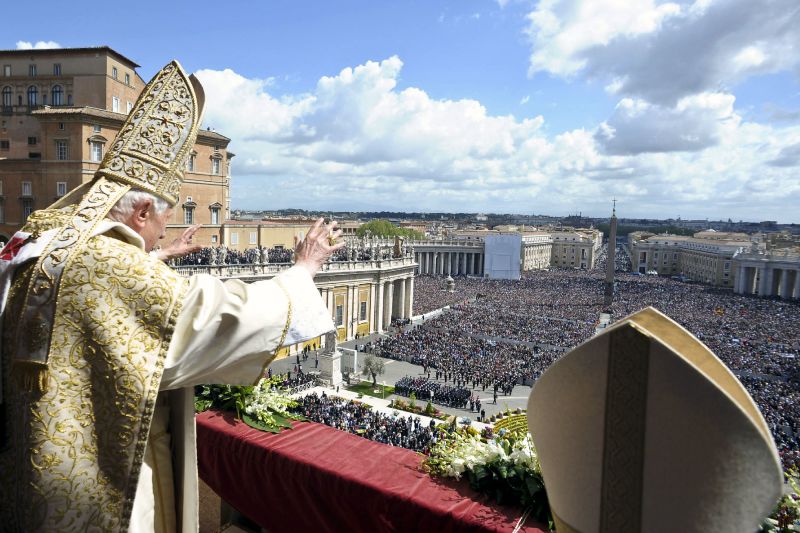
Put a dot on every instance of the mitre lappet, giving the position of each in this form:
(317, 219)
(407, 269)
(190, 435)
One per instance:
(643, 428)
(149, 153)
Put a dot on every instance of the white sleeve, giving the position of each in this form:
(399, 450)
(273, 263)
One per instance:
(228, 332)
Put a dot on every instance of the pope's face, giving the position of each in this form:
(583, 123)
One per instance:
(155, 228)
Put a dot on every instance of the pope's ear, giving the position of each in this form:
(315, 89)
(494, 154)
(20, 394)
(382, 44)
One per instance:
(141, 213)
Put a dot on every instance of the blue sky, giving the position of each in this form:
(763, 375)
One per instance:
(687, 109)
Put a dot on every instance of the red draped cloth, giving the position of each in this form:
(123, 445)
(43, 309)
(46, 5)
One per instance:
(316, 478)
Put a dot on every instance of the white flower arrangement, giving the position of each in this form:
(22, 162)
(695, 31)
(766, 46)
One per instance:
(505, 466)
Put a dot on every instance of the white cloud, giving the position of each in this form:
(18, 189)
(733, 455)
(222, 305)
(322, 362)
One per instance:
(356, 141)
(525, 99)
(662, 52)
(38, 45)
(695, 123)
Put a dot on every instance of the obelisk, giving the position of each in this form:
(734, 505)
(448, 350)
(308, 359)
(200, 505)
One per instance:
(612, 249)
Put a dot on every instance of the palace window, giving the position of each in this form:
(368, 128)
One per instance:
(61, 188)
(6, 96)
(5, 144)
(215, 215)
(115, 104)
(234, 239)
(215, 166)
(31, 70)
(33, 95)
(129, 106)
(188, 215)
(27, 208)
(32, 141)
(96, 151)
(6, 70)
(27, 188)
(213, 239)
(253, 237)
(56, 69)
(190, 163)
(127, 79)
(58, 95)
(114, 72)
(62, 150)
(363, 312)
(339, 315)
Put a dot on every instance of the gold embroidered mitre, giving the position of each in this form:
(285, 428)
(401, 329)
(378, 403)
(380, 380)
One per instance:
(149, 153)
(151, 149)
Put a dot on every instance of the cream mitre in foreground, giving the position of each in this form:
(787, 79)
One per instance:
(643, 428)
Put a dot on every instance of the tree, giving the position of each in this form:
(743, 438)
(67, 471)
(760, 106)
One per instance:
(373, 366)
(384, 228)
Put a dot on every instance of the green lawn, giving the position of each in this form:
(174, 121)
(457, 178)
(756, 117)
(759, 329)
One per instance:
(365, 387)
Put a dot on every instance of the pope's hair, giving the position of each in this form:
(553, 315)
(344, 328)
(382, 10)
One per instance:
(123, 209)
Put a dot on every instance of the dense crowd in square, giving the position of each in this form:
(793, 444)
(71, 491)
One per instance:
(360, 419)
(506, 332)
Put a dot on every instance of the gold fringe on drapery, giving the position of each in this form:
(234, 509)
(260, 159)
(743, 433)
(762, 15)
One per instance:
(30, 376)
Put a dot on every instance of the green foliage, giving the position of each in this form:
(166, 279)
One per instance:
(786, 516)
(369, 389)
(383, 228)
(222, 397)
(279, 422)
(429, 408)
(412, 400)
(508, 481)
(263, 406)
(373, 366)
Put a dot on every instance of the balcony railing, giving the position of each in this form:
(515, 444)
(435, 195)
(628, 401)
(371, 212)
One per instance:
(271, 269)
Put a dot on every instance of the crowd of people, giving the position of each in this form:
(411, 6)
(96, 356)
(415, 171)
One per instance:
(431, 293)
(213, 255)
(505, 332)
(221, 255)
(424, 389)
(359, 419)
(467, 361)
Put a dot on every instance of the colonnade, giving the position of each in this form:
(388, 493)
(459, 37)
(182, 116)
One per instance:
(449, 263)
(388, 299)
(766, 280)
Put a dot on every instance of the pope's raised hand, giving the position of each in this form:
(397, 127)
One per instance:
(317, 246)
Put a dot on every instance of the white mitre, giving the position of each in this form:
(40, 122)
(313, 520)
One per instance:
(643, 428)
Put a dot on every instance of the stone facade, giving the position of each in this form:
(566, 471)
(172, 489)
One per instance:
(66, 106)
(575, 248)
(362, 296)
(706, 257)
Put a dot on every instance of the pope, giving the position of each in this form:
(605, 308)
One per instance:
(102, 343)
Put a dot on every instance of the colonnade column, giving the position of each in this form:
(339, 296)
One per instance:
(796, 291)
(409, 292)
(387, 312)
(784, 286)
(379, 305)
(740, 275)
(402, 303)
(469, 264)
(354, 311)
(373, 327)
